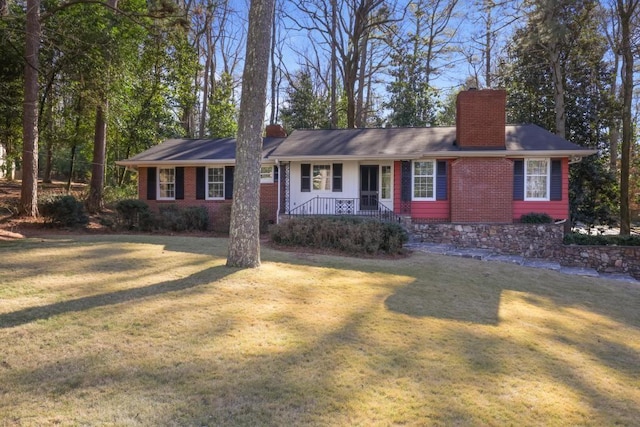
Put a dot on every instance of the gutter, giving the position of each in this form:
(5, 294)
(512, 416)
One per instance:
(203, 162)
(279, 185)
(572, 154)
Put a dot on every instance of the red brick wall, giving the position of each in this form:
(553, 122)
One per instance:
(482, 190)
(481, 118)
(268, 195)
(556, 209)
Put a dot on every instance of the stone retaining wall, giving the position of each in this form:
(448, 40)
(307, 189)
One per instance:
(605, 259)
(532, 241)
(529, 240)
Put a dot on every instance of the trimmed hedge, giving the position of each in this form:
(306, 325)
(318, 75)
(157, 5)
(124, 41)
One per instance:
(536, 218)
(134, 214)
(222, 220)
(63, 211)
(345, 234)
(176, 218)
(601, 240)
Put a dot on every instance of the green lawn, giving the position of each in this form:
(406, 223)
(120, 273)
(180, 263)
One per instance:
(155, 330)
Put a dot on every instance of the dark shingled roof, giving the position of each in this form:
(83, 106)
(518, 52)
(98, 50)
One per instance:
(193, 150)
(389, 143)
(412, 142)
(382, 142)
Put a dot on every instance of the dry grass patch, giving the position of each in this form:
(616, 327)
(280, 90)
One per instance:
(139, 330)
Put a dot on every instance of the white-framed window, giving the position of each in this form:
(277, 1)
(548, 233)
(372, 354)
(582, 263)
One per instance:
(423, 179)
(321, 177)
(537, 174)
(385, 182)
(215, 183)
(266, 174)
(166, 183)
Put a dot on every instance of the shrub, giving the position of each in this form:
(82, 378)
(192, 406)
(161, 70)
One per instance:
(134, 214)
(222, 220)
(349, 235)
(63, 211)
(196, 218)
(175, 218)
(536, 218)
(601, 240)
(119, 193)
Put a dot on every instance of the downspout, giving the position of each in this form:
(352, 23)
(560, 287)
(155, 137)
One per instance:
(279, 184)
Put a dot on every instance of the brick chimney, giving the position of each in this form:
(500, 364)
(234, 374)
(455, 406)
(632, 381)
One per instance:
(275, 131)
(481, 118)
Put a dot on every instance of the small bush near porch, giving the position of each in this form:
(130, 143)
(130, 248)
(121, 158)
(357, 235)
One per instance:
(157, 331)
(351, 235)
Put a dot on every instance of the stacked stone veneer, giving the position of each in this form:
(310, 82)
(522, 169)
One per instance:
(605, 259)
(536, 241)
(532, 241)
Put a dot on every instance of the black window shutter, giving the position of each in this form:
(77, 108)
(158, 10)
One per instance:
(201, 183)
(405, 177)
(275, 174)
(556, 180)
(151, 183)
(518, 179)
(228, 182)
(305, 173)
(179, 183)
(337, 177)
(441, 180)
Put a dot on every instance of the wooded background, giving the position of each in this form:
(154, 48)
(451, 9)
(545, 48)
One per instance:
(84, 83)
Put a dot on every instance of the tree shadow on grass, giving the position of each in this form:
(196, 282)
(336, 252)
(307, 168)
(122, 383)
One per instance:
(32, 314)
(476, 295)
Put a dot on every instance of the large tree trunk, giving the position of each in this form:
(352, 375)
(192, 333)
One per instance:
(95, 203)
(626, 10)
(94, 200)
(29, 192)
(558, 89)
(244, 232)
(614, 131)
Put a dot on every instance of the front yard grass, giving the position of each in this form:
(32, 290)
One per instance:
(155, 330)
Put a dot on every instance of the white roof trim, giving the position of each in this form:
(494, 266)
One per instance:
(204, 162)
(450, 155)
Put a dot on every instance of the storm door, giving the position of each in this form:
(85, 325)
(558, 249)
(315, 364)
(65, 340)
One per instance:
(369, 187)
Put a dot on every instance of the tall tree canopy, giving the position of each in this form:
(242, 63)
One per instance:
(86, 83)
(530, 76)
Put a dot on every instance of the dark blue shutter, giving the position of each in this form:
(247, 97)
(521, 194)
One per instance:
(151, 183)
(337, 177)
(228, 182)
(305, 174)
(201, 183)
(441, 180)
(518, 180)
(179, 183)
(405, 178)
(275, 174)
(556, 180)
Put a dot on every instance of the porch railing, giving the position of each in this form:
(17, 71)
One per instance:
(340, 206)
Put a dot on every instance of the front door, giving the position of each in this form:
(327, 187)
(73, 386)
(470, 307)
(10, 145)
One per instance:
(369, 187)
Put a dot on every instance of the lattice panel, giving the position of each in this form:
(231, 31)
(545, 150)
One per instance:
(344, 207)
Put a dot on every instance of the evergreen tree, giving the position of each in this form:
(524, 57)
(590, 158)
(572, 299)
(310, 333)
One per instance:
(528, 76)
(305, 107)
(222, 109)
(412, 101)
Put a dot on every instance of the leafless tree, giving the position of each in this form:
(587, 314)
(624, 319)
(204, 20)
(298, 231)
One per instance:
(344, 28)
